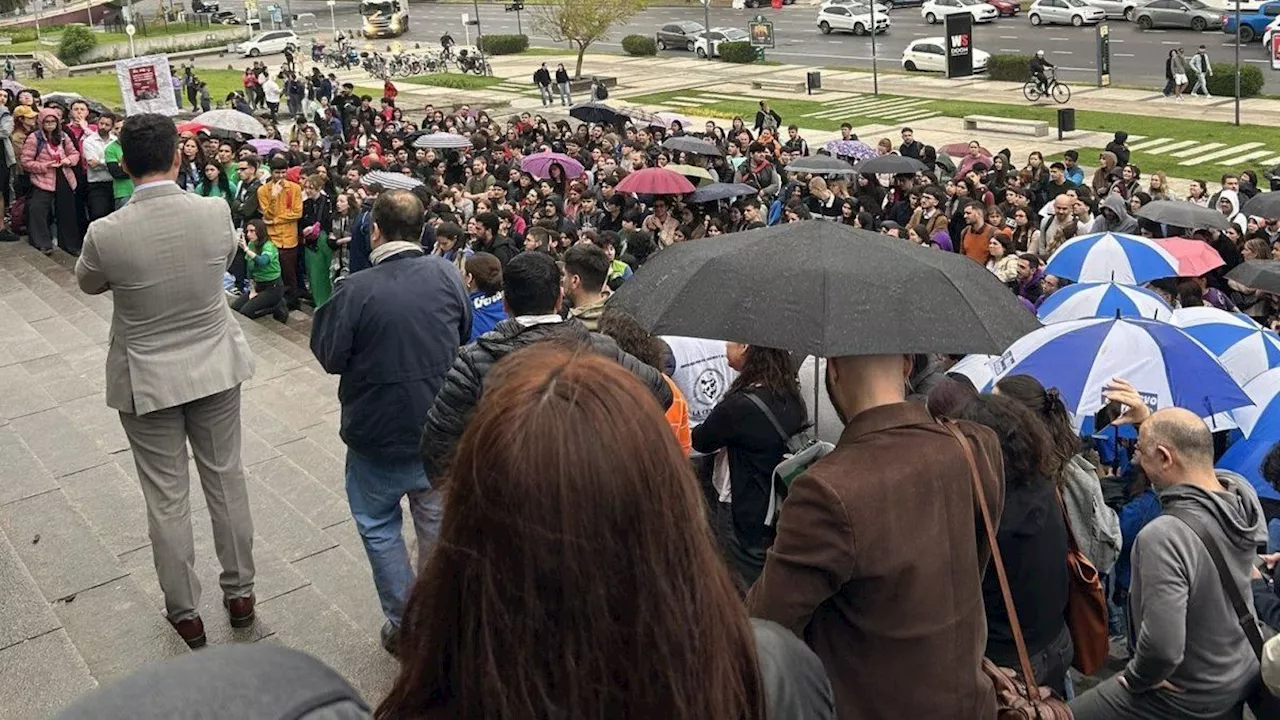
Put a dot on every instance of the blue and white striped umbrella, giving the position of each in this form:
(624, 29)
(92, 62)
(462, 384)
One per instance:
(1112, 257)
(977, 368)
(1246, 348)
(1166, 365)
(1262, 419)
(1108, 300)
(390, 180)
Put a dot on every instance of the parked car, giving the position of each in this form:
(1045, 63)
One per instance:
(708, 43)
(272, 41)
(1229, 6)
(1007, 8)
(1180, 14)
(1116, 8)
(1271, 30)
(225, 17)
(1064, 12)
(678, 35)
(1252, 25)
(929, 54)
(853, 18)
(934, 11)
(200, 6)
(758, 3)
(881, 8)
(900, 3)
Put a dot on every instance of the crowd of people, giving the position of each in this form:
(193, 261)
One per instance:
(483, 366)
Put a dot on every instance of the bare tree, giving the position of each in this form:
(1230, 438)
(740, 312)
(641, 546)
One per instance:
(582, 22)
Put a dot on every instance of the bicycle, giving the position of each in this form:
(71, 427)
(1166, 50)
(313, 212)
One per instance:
(1056, 89)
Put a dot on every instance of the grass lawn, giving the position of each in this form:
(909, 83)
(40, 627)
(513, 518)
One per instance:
(49, 40)
(455, 81)
(1153, 125)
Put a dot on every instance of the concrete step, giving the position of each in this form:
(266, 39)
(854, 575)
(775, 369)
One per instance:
(81, 603)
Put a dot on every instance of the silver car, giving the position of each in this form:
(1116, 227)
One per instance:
(1180, 14)
(1126, 9)
(679, 35)
(1064, 12)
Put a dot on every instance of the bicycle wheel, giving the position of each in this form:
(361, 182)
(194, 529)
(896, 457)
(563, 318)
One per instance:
(1061, 93)
(1030, 91)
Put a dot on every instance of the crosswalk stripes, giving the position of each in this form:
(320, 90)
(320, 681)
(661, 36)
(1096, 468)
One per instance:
(1202, 159)
(1208, 147)
(1148, 143)
(1241, 159)
(1169, 147)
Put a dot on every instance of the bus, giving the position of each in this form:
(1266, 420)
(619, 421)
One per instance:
(384, 18)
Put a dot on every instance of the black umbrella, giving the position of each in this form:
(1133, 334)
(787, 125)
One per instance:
(1261, 275)
(891, 165)
(598, 113)
(65, 99)
(1185, 215)
(1265, 205)
(821, 165)
(685, 143)
(826, 289)
(721, 191)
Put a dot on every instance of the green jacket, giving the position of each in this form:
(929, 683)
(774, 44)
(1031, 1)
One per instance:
(120, 187)
(265, 267)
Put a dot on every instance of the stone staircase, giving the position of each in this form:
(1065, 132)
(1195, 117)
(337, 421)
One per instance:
(79, 601)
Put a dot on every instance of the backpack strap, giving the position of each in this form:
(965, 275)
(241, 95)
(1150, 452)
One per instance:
(773, 419)
(1243, 615)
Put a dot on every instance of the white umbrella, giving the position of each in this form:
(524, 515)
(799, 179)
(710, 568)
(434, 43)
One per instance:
(443, 141)
(390, 180)
(231, 121)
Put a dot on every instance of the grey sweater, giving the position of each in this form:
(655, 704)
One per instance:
(1096, 527)
(1186, 631)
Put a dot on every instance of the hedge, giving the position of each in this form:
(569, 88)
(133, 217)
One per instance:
(1223, 80)
(76, 41)
(1009, 67)
(21, 35)
(737, 52)
(503, 44)
(639, 45)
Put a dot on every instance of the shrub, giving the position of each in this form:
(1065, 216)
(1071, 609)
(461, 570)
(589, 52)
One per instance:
(1009, 67)
(1223, 80)
(76, 41)
(639, 45)
(737, 52)
(503, 44)
(21, 35)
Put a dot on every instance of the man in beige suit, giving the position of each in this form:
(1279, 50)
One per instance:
(175, 365)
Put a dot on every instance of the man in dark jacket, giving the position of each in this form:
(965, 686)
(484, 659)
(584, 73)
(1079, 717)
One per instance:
(392, 332)
(532, 292)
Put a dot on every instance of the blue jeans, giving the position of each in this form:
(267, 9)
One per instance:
(374, 490)
(1273, 535)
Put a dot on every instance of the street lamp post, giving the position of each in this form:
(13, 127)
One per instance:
(875, 70)
(475, 4)
(333, 20)
(1238, 62)
(706, 19)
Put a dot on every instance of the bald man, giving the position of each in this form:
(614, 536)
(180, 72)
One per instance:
(1190, 657)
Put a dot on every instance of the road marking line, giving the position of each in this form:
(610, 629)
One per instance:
(1202, 149)
(1123, 55)
(1200, 160)
(1010, 50)
(1259, 62)
(1246, 158)
(1169, 42)
(1015, 37)
(1062, 52)
(1148, 143)
(1061, 39)
(1170, 147)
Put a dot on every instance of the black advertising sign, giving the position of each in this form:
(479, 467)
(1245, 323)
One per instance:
(959, 27)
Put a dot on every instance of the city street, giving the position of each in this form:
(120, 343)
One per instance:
(1137, 56)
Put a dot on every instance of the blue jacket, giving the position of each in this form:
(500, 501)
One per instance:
(392, 333)
(486, 312)
(1133, 517)
(361, 245)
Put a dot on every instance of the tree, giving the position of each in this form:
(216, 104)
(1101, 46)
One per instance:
(582, 22)
(76, 41)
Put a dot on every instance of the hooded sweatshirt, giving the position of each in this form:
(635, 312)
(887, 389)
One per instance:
(1185, 629)
(1102, 176)
(1118, 220)
(1235, 216)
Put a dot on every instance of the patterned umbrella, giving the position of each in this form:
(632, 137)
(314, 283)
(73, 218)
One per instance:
(655, 181)
(231, 121)
(390, 180)
(670, 117)
(1111, 257)
(855, 149)
(443, 141)
(640, 116)
(539, 165)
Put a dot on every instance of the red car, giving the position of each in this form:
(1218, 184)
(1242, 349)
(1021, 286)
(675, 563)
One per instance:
(1006, 7)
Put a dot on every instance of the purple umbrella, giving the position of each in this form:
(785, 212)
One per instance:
(13, 86)
(539, 165)
(262, 146)
(855, 149)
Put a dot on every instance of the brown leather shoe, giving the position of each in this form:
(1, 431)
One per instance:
(191, 630)
(240, 610)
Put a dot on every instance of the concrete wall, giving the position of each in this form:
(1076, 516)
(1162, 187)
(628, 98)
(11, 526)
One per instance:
(166, 44)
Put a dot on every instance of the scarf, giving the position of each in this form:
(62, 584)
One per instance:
(395, 247)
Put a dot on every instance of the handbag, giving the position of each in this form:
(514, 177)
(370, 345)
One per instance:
(1015, 699)
(1261, 701)
(1086, 605)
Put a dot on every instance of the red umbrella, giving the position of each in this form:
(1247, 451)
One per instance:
(1195, 257)
(655, 181)
(191, 127)
(961, 149)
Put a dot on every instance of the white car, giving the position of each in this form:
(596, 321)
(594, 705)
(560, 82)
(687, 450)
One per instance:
(272, 41)
(929, 54)
(853, 18)
(1064, 12)
(1266, 34)
(935, 11)
(881, 8)
(708, 43)
(1116, 8)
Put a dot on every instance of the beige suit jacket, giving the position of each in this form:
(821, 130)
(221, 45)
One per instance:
(174, 339)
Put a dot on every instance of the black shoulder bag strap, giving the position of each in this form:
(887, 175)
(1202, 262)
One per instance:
(773, 419)
(1243, 615)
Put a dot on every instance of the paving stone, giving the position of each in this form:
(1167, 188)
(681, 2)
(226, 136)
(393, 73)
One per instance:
(61, 334)
(317, 503)
(92, 417)
(282, 526)
(24, 475)
(117, 630)
(266, 424)
(97, 330)
(54, 439)
(20, 394)
(305, 620)
(26, 348)
(57, 545)
(318, 461)
(27, 306)
(254, 449)
(293, 401)
(113, 504)
(61, 381)
(49, 663)
(347, 582)
(24, 613)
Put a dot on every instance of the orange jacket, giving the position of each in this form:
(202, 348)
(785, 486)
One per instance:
(281, 212)
(678, 416)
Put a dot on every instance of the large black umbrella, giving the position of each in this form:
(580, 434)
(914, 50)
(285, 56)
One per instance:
(1265, 205)
(721, 191)
(826, 289)
(696, 146)
(1185, 215)
(821, 165)
(65, 99)
(598, 113)
(1261, 275)
(891, 165)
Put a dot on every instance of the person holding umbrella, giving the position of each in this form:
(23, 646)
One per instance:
(759, 172)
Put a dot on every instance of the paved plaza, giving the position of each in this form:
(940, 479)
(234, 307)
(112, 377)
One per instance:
(79, 600)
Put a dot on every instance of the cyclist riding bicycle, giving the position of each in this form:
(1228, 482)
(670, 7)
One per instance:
(446, 44)
(1037, 67)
